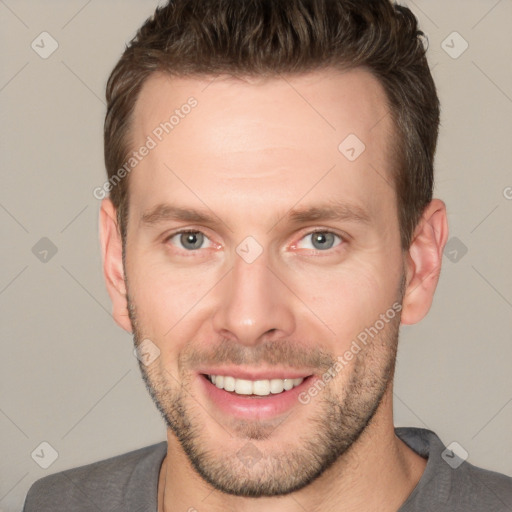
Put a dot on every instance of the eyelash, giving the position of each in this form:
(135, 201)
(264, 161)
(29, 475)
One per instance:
(343, 239)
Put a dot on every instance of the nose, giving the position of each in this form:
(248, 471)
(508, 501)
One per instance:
(254, 304)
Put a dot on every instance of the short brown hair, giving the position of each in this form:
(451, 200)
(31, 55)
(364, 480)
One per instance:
(272, 37)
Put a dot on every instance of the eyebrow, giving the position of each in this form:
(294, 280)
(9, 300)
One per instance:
(333, 211)
(167, 212)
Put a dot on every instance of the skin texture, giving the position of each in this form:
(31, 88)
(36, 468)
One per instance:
(248, 154)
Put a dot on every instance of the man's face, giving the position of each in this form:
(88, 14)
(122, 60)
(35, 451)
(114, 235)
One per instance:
(269, 284)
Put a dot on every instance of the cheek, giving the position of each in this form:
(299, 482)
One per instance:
(166, 297)
(347, 299)
(172, 301)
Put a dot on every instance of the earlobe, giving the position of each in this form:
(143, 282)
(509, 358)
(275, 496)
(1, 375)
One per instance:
(423, 262)
(112, 256)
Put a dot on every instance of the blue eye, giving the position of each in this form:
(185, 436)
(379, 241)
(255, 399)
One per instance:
(189, 240)
(192, 240)
(321, 240)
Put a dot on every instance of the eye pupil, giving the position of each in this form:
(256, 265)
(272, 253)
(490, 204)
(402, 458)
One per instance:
(194, 239)
(324, 239)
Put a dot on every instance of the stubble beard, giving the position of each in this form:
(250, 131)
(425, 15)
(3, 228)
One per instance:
(339, 419)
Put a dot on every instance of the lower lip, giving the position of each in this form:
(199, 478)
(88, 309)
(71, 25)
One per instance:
(254, 407)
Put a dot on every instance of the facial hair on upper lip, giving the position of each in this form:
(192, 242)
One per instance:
(284, 354)
(337, 419)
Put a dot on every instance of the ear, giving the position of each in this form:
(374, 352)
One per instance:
(112, 253)
(423, 262)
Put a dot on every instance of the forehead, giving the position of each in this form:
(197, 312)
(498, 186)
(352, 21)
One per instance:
(328, 101)
(247, 137)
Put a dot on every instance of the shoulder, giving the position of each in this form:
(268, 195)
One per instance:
(105, 485)
(479, 487)
(449, 482)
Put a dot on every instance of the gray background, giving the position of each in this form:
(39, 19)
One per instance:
(68, 373)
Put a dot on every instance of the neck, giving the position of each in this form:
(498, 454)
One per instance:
(377, 473)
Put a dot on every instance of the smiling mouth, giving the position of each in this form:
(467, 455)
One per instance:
(254, 388)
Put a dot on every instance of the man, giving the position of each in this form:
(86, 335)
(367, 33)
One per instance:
(269, 226)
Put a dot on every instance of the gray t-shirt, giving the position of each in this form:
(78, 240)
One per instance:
(129, 483)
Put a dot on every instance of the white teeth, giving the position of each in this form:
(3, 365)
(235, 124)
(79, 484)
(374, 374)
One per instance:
(254, 387)
(243, 387)
(261, 387)
(276, 386)
(288, 384)
(229, 384)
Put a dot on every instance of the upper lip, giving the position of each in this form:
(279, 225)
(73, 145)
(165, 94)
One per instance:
(239, 372)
